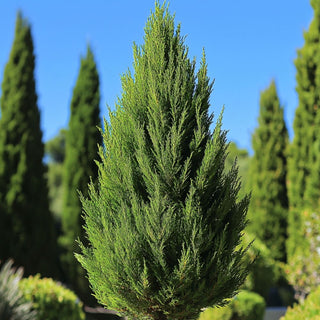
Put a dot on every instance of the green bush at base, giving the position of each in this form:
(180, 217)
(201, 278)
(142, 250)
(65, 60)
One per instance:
(51, 300)
(12, 304)
(245, 306)
(308, 310)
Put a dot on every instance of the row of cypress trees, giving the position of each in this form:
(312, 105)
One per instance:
(27, 225)
(304, 161)
(285, 178)
(27, 228)
(163, 158)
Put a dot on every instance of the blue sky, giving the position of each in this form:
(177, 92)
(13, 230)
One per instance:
(248, 43)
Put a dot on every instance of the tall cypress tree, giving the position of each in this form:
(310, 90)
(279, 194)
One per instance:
(303, 175)
(268, 171)
(164, 221)
(27, 232)
(82, 139)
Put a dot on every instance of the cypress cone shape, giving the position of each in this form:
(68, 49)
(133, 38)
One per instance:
(268, 171)
(27, 232)
(82, 139)
(164, 223)
(303, 165)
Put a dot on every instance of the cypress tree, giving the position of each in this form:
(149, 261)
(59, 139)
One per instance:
(82, 138)
(27, 232)
(164, 222)
(55, 151)
(303, 185)
(268, 171)
(243, 161)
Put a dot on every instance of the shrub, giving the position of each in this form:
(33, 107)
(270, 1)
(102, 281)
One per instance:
(12, 304)
(164, 220)
(249, 306)
(224, 313)
(51, 300)
(245, 306)
(309, 309)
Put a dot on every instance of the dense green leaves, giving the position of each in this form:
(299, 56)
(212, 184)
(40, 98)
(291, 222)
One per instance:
(243, 161)
(82, 139)
(12, 304)
(56, 147)
(164, 221)
(26, 227)
(268, 170)
(303, 170)
(55, 151)
(50, 299)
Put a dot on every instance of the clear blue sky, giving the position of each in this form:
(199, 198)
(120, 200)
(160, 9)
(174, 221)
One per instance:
(247, 44)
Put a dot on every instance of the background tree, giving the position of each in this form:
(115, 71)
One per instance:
(243, 161)
(268, 170)
(302, 174)
(303, 271)
(27, 232)
(55, 151)
(56, 147)
(164, 222)
(82, 138)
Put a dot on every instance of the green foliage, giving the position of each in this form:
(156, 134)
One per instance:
(243, 160)
(82, 139)
(164, 221)
(55, 150)
(51, 300)
(224, 313)
(265, 271)
(27, 231)
(249, 306)
(304, 269)
(268, 169)
(12, 304)
(308, 310)
(55, 175)
(303, 165)
(245, 306)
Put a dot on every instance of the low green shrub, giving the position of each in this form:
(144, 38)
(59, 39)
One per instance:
(308, 310)
(245, 306)
(12, 304)
(51, 300)
(224, 313)
(248, 306)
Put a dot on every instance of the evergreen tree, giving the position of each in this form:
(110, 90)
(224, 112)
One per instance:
(243, 160)
(55, 148)
(55, 151)
(268, 170)
(304, 177)
(82, 138)
(164, 222)
(27, 232)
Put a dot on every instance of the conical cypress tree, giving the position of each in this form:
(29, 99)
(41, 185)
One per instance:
(27, 232)
(82, 138)
(305, 146)
(268, 170)
(164, 222)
